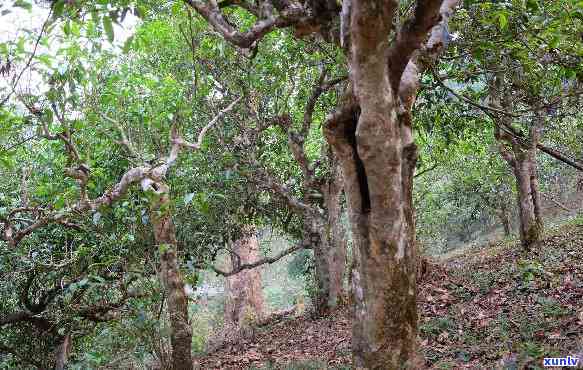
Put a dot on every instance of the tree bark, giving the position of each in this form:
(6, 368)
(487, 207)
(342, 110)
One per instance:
(328, 240)
(531, 223)
(244, 291)
(522, 160)
(336, 236)
(505, 220)
(323, 301)
(171, 278)
(370, 133)
(378, 189)
(62, 353)
(378, 158)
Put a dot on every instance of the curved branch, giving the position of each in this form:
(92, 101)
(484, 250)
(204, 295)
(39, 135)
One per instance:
(179, 142)
(282, 191)
(263, 261)
(411, 37)
(405, 78)
(211, 12)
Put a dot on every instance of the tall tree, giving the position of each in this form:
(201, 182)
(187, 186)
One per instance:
(371, 135)
(529, 74)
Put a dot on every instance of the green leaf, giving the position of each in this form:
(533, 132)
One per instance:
(108, 27)
(60, 203)
(554, 42)
(128, 44)
(532, 5)
(163, 248)
(67, 28)
(140, 12)
(58, 8)
(23, 4)
(502, 20)
(46, 60)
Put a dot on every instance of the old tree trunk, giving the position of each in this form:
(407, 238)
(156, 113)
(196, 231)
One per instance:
(522, 161)
(171, 278)
(370, 133)
(244, 305)
(372, 136)
(529, 203)
(521, 157)
(378, 158)
(328, 240)
(336, 237)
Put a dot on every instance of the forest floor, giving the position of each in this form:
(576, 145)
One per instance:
(495, 307)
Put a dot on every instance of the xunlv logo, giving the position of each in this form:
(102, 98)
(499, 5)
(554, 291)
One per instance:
(561, 361)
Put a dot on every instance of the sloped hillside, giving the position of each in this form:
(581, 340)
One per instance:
(498, 307)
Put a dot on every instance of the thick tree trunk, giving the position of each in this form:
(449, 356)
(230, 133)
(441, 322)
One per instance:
(521, 157)
(378, 158)
(531, 224)
(329, 245)
(328, 240)
(62, 353)
(336, 235)
(522, 160)
(165, 235)
(244, 291)
(505, 220)
(322, 299)
(378, 188)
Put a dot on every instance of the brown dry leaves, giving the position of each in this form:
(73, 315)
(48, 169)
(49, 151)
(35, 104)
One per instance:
(486, 310)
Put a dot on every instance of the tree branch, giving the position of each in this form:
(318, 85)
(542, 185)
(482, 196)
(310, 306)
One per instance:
(485, 108)
(558, 204)
(29, 61)
(282, 191)
(263, 261)
(179, 142)
(411, 37)
(211, 12)
(421, 173)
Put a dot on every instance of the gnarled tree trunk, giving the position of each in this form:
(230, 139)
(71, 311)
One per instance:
(521, 157)
(328, 239)
(171, 278)
(62, 353)
(529, 203)
(378, 173)
(335, 235)
(378, 157)
(244, 291)
(370, 133)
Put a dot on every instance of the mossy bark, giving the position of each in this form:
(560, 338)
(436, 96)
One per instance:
(171, 278)
(531, 223)
(244, 291)
(371, 135)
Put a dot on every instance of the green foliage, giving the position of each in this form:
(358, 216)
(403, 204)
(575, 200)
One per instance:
(88, 82)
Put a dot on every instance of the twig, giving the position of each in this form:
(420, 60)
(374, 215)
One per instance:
(268, 260)
(27, 65)
(558, 204)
